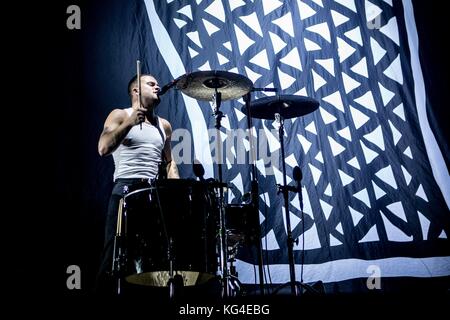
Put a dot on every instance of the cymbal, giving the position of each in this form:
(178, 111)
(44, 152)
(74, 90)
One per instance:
(288, 106)
(201, 85)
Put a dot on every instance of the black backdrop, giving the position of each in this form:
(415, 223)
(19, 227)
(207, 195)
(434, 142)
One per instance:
(59, 187)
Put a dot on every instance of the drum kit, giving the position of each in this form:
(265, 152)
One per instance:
(180, 232)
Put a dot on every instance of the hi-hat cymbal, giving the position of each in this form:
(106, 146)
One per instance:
(201, 85)
(288, 106)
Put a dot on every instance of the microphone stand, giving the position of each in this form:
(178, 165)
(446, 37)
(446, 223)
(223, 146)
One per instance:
(297, 175)
(168, 86)
(285, 189)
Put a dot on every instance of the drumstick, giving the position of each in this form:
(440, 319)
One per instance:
(138, 72)
(119, 218)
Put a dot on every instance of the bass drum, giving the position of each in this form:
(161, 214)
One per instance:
(171, 223)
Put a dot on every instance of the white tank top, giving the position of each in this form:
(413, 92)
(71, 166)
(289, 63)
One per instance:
(140, 152)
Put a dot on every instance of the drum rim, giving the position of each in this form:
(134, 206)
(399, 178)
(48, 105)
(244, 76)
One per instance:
(145, 189)
(137, 191)
(180, 182)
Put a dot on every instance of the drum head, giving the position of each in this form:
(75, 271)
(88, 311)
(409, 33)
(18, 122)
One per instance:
(161, 278)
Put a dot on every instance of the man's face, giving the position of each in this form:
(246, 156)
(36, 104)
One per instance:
(149, 88)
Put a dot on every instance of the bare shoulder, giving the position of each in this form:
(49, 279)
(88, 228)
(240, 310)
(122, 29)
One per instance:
(114, 119)
(117, 115)
(166, 125)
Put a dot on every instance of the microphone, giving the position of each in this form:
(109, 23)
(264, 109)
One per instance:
(198, 169)
(297, 174)
(166, 87)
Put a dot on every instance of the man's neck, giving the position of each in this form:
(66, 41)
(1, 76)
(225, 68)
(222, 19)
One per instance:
(151, 116)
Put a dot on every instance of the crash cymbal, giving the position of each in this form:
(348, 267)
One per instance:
(201, 85)
(288, 106)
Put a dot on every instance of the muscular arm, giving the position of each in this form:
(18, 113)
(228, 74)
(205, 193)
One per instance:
(172, 170)
(116, 127)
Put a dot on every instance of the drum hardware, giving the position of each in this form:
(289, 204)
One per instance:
(119, 253)
(168, 86)
(171, 283)
(220, 85)
(233, 279)
(222, 232)
(279, 108)
(202, 85)
(287, 106)
(254, 198)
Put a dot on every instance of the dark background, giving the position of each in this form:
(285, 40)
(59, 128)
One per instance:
(58, 187)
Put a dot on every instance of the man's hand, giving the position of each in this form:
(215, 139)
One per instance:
(137, 116)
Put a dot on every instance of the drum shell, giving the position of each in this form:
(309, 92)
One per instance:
(170, 223)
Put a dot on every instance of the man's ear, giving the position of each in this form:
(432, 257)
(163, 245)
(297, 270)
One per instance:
(135, 90)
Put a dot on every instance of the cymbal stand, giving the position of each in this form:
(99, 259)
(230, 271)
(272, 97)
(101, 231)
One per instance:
(290, 241)
(255, 194)
(285, 190)
(222, 231)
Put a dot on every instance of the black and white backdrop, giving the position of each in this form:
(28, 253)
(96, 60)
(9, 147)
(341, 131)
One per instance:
(374, 156)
